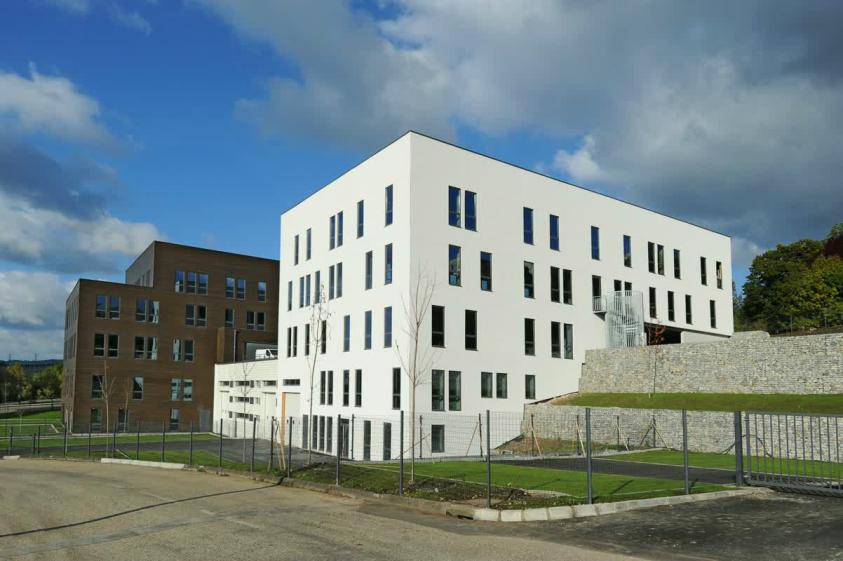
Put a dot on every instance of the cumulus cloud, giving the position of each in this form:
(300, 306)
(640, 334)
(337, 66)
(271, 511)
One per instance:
(727, 114)
(32, 300)
(130, 18)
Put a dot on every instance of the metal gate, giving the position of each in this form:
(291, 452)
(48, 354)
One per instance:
(796, 452)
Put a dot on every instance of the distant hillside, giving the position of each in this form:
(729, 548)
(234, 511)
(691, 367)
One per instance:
(31, 366)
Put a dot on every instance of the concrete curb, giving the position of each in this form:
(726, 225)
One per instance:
(11, 458)
(142, 463)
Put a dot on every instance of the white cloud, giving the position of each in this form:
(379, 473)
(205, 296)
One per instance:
(130, 18)
(32, 300)
(73, 6)
(25, 345)
(50, 104)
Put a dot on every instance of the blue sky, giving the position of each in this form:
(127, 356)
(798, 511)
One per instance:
(199, 121)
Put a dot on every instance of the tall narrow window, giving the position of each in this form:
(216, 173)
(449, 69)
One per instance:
(307, 290)
(368, 268)
(360, 218)
(358, 388)
(437, 390)
(651, 257)
(102, 308)
(191, 282)
(189, 315)
(262, 291)
(595, 242)
(529, 280)
(437, 321)
(703, 271)
(296, 250)
(528, 225)
(454, 390)
(113, 307)
(188, 349)
(289, 295)
(331, 279)
(529, 336)
(339, 280)
(346, 388)
(454, 265)
(396, 388)
(677, 264)
(388, 206)
(179, 281)
(530, 386)
(485, 271)
(718, 271)
(454, 204)
(97, 383)
(671, 311)
(660, 258)
(689, 316)
(308, 244)
(387, 440)
(317, 287)
(437, 439)
(307, 339)
(330, 392)
(332, 232)
(471, 330)
(367, 337)
(387, 264)
(340, 228)
(471, 211)
(554, 284)
(137, 387)
(555, 339)
(567, 287)
(554, 232)
(712, 310)
(627, 251)
(323, 337)
(346, 333)
(596, 286)
(653, 307)
(500, 383)
(486, 383)
(202, 287)
(140, 309)
(301, 292)
(241, 289)
(569, 340)
(387, 326)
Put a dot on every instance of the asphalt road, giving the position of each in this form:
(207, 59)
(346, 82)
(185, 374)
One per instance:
(80, 510)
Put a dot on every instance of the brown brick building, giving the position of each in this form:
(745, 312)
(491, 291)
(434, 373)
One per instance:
(144, 351)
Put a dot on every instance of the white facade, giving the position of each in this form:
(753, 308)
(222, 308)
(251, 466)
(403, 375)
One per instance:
(420, 171)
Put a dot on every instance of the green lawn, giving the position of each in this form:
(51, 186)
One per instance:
(124, 439)
(54, 416)
(467, 480)
(783, 403)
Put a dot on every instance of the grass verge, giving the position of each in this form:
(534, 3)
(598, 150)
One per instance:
(727, 461)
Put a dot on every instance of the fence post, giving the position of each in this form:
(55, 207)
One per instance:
(588, 467)
(480, 424)
(271, 442)
(190, 450)
(33, 443)
(339, 447)
(163, 439)
(220, 443)
(290, 450)
(488, 460)
(421, 436)
(401, 455)
(114, 441)
(685, 477)
(65, 440)
(11, 437)
(38, 447)
(351, 448)
(90, 430)
(738, 450)
(254, 430)
(748, 448)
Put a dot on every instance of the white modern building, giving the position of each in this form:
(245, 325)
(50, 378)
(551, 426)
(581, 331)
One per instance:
(527, 272)
(247, 392)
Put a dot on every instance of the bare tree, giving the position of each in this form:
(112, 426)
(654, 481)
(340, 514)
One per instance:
(417, 359)
(315, 338)
(245, 386)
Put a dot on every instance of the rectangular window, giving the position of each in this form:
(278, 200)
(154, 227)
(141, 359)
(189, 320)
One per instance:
(596, 286)
(241, 289)
(567, 287)
(437, 326)
(486, 382)
(187, 389)
(627, 251)
(358, 388)
(332, 234)
(677, 265)
(367, 441)
(387, 441)
(229, 287)
(368, 271)
(712, 311)
(301, 292)
(307, 290)
(569, 340)
(454, 390)
(296, 250)
(101, 309)
(152, 348)
(113, 307)
(387, 264)
(321, 432)
(554, 232)
(454, 212)
(360, 218)
(179, 281)
(627, 286)
(554, 284)
(528, 225)
(289, 295)
(555, 339)
(340, 228)
(529, 280)
(689, 316)
(437, 439)
(454, 265)
(323, 386)
(262, 291)
(388, 206)
(331, 278)
(387, 327)
(113, 346)
(471, 330)
(529, 336)
(97, 386)
(188, 350)
(139, 347)
(718, 271)
(250, 319)
(323, 337)
(660, 258)
(339, 280)
(396, 388)
(346, 333)
(653, 307)
(437, 390)
(137, 387)
(618, 285)
(530, 386)
(703, 271)
(201, 316)
(202, 287)
(99, 344)
(671, 311)
(175, 389)
(177, 350)
(317, 287)
(229, 317)
(485, 271)
(329, 434)
(651, 257)
(307, 339)
(260, 323)
(346, 388)
(500, 386)
(330, 392)
(595, 242)
(367, 333)
(295, 340)
(471, 211)
(191, 282)
(308, 244)
(96, 420)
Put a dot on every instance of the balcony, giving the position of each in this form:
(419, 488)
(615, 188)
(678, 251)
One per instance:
(598, 304)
